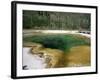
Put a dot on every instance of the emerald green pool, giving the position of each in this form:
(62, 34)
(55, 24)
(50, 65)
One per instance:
(58, 41)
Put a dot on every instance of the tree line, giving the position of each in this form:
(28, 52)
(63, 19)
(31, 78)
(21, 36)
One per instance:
(45, 20)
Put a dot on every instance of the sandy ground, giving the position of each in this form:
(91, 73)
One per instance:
(32, 32)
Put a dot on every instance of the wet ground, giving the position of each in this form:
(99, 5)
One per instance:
(77, 57)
